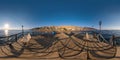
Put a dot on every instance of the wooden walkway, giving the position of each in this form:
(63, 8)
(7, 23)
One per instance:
(54, 47)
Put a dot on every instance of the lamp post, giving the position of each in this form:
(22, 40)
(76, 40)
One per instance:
(22, 29)
(100, 24)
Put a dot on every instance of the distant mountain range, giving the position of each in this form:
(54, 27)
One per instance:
(62, 28)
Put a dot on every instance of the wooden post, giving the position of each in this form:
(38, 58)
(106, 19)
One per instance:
(87, 37)
(112, 41)
(88, 57)
(16, 37)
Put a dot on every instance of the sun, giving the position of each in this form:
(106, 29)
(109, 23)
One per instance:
(6, 26)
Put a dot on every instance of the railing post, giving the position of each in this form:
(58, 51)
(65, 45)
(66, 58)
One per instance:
(87, 48)
(112, 42)
(7, 38)
(100, 24)
(16, 37)
(88, 57)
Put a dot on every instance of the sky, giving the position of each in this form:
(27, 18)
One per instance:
(37, 13)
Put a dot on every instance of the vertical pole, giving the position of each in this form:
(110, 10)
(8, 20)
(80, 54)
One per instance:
(100, 24)
(87, 37)
(88, 57)
(23, 30)
(16, 37)
(113, 40)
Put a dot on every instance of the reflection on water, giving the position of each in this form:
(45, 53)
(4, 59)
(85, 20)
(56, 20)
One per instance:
(6, 32)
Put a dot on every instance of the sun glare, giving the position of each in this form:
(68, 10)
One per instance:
(6, 26)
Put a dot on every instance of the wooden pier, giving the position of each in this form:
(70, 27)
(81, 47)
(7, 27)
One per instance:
(55, 47)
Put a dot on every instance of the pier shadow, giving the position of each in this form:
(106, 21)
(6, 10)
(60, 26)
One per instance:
(16, 53)
(11, 52)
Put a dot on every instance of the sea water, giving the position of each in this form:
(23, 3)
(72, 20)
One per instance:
(9, 32)
(106, 33)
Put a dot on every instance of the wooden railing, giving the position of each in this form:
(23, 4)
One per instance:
(11, 46)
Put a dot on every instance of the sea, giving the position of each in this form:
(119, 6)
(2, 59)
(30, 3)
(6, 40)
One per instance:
(104, 32)
(107, 35)
(111, 32)
(9, 32)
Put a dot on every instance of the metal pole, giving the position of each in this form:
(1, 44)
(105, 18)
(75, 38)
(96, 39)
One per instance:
(22, 29)
(100, 24)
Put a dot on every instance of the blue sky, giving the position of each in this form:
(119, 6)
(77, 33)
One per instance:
(35, 13)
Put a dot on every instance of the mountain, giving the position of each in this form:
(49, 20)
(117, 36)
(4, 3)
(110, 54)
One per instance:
(62, 28)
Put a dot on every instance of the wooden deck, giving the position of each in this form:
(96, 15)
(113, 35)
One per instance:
(58, 48)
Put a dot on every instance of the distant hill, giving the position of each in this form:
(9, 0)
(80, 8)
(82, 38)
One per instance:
(62, 28)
